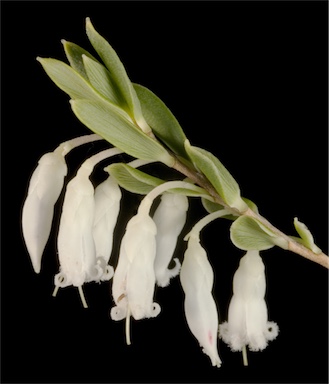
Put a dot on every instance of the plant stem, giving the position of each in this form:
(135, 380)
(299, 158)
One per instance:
(293, 245)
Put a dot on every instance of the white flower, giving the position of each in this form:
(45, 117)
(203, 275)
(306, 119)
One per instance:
(134, 278)
(76, 244)
(45, 186)
(76, 248)
(247, 316)
(200, 309)
(107, 206)
(169, 217)
(44, 189)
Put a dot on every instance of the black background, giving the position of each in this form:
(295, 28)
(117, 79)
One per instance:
(248, 82)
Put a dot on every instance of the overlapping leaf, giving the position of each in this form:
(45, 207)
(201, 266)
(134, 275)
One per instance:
(248, 233)
(225, 185)
(161, 120)
(137, 181)
(117, 71)
(104, 120)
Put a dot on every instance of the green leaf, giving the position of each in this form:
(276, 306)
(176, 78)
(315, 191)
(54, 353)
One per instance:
(225, 185)
(105, 120)
(117, 71)
(74, 55)
(248, 233)
(132, 179)
(100, 79)
(211, 206)
(68, 80)
(250, 204)
(306, 236)
(136, 181)
(161, 120)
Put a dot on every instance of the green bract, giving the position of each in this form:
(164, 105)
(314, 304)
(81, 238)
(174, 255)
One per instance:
(225, 185)
(249, 234)
(306, 236)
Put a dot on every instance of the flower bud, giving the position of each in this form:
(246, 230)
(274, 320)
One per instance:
(200, 309)
(44, 189)
(247, 316)
(45, 186)
(170, 218)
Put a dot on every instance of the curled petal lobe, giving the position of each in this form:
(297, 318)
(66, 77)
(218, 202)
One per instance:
(170, 218)
(134, 278)
(247, 316)
(76, 249)
(141, 247)
(118, 313)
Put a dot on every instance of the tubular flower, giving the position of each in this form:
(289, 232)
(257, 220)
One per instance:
(247, 316)
(45, 186)
(76, 245)
(76, 248)
(134, 278)
(169, 217)
(107, 206)
(200, 309)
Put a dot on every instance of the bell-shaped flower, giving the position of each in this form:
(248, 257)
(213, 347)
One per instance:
(170, 218)
(76, 245)
(45, 186)
(248, 323)
(76, 248)
(134, 278)
(107, 206)
(197, 279)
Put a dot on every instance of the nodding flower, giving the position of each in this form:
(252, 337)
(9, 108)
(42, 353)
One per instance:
(197, 278)
(170, 218)
(107, 206)
(76, 243)
(248, 323)
(45, 186)
(134, 277)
